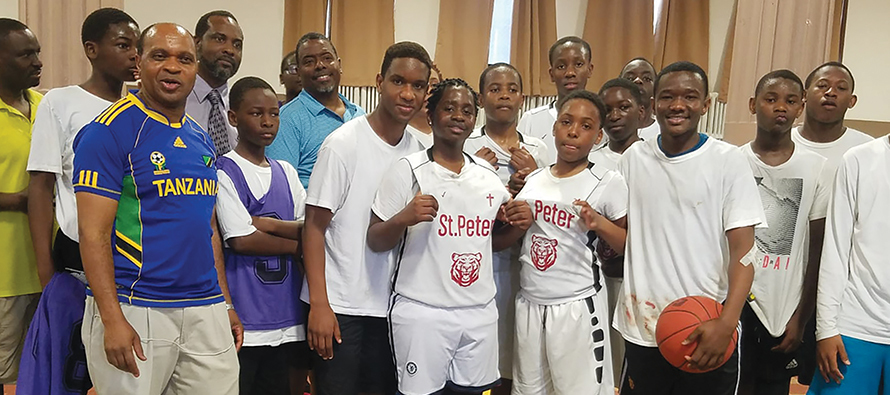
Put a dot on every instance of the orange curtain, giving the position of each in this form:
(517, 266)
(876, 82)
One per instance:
(301, 17)
(681, 33)
(361, 31)
(769, 35)
(533, 31)
(463, 39)
(57, 25)
(619, 31)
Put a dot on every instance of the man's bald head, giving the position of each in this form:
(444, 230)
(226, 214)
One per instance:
(167, 67)
(165, 30)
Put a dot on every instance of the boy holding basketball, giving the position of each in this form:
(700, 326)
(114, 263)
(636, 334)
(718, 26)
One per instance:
(692, 209)
(562, 335)
(794, 192)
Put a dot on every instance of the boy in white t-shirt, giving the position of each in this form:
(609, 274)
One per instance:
(829, 96)
(794, 191)
(348, 284)
(570, 67)
(444, 201)
(642, 73)
(259, 208)
(624, 115)
(562, 336)
(692, 209)
(109, 40)
(501, 144)
(853, 312)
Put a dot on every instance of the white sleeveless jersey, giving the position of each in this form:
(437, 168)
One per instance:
(446, 262)
(558, 261)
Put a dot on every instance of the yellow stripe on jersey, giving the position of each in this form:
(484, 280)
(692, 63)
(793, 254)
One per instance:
(156, 115)
(128, 241)
(128, 256)
(104, 115)
(117, 112)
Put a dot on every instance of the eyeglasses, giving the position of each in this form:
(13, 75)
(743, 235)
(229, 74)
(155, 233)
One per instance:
(291, 69)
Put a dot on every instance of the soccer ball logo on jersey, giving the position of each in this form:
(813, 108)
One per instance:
(543, 252)
(160, 163)
(465, 268)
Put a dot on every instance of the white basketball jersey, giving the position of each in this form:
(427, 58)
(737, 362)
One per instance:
(448, 262)
(558, 261)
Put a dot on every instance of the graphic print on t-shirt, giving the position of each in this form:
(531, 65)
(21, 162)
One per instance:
(781, 204)
(465, 268)
(543, 252)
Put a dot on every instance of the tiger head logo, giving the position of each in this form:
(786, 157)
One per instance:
(465, 268)
(543, 251)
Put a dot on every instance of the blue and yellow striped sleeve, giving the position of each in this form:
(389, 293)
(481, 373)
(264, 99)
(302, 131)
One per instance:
(99, 161)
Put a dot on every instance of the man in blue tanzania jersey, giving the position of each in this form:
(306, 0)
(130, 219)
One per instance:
(146, 184)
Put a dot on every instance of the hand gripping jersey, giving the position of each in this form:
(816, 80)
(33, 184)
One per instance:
(558, 261)
(265, 289)
(163, 175)
(448, 262)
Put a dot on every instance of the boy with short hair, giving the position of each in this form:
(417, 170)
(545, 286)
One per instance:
(641, 72)
(624, 115)
(499, 143)
(692, 208)
(259, 206)
(570, 67)
(109, 39)
(853, 312)
(348, 284)
(562, 337)
(829, 95)
(794, 191)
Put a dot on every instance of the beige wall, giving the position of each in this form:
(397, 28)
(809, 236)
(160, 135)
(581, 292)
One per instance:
(720, 15)
(261, 20)
(866, 53)
(418, 21)
(9, 9)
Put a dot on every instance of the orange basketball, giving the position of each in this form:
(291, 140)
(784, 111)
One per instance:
(678, 320)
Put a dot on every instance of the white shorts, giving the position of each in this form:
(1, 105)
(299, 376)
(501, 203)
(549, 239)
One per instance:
(563, 348)
(614, 290)
(188, 350)
(506, 279)
(437, 347)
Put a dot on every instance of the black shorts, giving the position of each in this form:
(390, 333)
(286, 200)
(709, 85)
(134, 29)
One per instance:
(646, 372)
(363, 362)
(66, 254)
(264, 370)
(764, 371)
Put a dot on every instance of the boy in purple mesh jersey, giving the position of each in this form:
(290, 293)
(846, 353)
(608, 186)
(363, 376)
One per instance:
(260, 207)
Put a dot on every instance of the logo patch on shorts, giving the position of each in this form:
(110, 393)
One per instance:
(411, 368)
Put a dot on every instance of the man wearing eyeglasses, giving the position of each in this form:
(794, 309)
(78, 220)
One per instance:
(290, 77)
(316, 111)
(641, 72)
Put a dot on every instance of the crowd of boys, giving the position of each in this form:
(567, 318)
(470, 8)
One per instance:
(211, 239)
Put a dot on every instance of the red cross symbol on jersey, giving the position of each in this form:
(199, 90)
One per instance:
(490, 198)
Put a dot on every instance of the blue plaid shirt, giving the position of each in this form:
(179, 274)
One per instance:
(305, 123)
